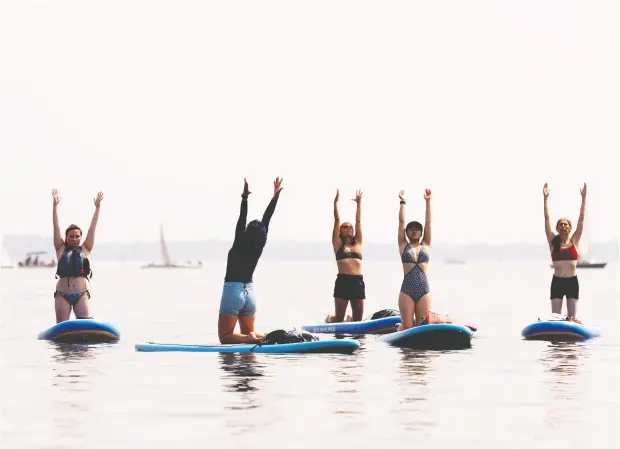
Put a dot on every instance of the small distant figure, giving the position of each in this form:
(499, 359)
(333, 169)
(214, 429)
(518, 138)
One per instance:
(238, 302)
(73, 270)
(347, 245)
(414, 300)
(565, 256)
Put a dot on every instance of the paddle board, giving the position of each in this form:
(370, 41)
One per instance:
(305, 347)
(81, 331)
(558, 330)
(431, 336)
(376, 326)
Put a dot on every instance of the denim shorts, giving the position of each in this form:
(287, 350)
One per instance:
(238, 299)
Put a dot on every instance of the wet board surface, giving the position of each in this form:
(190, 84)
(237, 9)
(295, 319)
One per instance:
(377, 326)
(558, 330)
(81, 331)
(431, 336)
(306, 347)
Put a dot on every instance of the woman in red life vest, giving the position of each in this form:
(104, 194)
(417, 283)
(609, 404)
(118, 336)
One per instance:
(73, 265)
(564, 254)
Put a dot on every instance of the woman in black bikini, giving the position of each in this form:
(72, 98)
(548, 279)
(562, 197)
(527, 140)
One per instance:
(347, 243)
(73, 265)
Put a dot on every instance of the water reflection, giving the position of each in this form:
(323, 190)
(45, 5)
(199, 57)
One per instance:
(243, 370)
(415, 366)
(564, 363)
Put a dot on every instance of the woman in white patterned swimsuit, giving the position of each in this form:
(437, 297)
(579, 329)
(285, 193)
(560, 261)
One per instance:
(414, 300)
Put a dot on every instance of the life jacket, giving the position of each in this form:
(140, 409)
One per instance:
(281, 337)
(73, 263)
(384, 314)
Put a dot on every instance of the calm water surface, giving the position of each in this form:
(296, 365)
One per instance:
(503, 392)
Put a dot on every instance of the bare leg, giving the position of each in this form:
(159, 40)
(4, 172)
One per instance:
(226, 331)
(556, 306)
(341, 309)
(81, 309)
(422, 308)
(357, 306)
(63, 309)
(246, 325)
(571, 309)
(407, 308)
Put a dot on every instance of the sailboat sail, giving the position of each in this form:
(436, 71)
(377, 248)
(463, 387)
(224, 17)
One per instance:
(5, 260)
(164, 248)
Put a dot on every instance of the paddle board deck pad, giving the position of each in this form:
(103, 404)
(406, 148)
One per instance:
(439, 318)
(431, 336)
(558, 330)
(81, 331)
(376, 326)
(304, 347)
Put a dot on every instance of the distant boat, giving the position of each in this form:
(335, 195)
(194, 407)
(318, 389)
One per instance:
(166, 255)
(35, 262)
(455, 261)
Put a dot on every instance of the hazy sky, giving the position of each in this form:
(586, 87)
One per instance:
(166, 106)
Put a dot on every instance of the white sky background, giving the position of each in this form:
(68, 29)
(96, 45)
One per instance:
(166, 106)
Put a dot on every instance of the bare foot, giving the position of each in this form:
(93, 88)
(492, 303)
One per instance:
(573, 319)
(349, 318)
(252, 338)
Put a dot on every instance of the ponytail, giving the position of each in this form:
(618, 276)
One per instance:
(556, 243)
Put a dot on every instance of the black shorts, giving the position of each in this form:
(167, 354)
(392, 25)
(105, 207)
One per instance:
(561, 287)
(350, 286)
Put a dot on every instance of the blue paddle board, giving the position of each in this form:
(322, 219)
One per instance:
(305, 347)
(431, 336)
(558, 330)
(81, 331)
(377, 326)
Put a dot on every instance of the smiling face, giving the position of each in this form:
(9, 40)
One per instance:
(73, 236)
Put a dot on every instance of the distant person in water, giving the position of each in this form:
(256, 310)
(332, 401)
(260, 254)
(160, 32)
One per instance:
(72, 288)
(347, 244)
(564, 254)
(238, 301)
(414, 300)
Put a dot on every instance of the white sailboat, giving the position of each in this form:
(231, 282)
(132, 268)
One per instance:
(166, 255)
(583, 261)
(5, 260)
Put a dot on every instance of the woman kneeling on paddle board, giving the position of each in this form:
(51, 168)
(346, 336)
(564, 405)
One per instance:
(347, 244)
(564, 255)
(238, 302)
(414, 299)
(72, 288)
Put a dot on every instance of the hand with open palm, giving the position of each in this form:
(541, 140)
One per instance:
(55, 197)
(98, 199)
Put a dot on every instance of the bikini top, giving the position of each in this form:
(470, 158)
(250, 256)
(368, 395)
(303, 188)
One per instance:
(407, 256)
(569, 253)
(341, 254)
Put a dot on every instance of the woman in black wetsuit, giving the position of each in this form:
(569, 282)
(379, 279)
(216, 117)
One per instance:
(238, 301)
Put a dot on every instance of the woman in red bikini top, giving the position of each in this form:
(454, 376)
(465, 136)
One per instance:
(564, 254)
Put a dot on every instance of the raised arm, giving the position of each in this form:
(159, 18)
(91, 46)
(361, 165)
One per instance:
(243, 212)
(336, 231)
(58, 240)
(358, 217)
(548, 230)
(582, 214)
(271, 207)
(89, 242)
(401, 221)
(427, 221)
